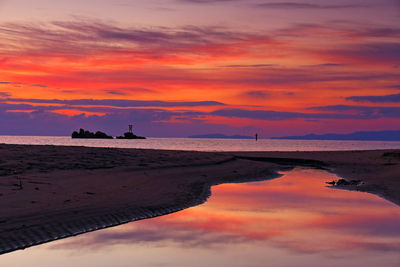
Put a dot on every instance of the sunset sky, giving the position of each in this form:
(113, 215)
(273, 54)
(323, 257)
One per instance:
(175, 68)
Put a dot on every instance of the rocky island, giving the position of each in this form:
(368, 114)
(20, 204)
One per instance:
(90, 135)
(100, 135)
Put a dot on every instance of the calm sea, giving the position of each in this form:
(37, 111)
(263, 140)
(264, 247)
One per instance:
(294, 220)
(205, 144)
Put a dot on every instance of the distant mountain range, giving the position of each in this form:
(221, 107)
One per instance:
(362, 136)
(221, 136)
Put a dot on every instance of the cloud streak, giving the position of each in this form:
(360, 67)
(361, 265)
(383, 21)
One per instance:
(298, 5)
(281, 115)
(256, 94)
(395, 98)
(364, 112)
(5, 94)
(88, 36)
(379, 53)
(118, 102)
(207, 1)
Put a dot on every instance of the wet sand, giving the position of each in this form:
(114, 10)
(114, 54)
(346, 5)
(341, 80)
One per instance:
(52, 192)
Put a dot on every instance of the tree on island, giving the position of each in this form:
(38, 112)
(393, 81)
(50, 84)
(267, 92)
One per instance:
(87, 134)
(100, 135)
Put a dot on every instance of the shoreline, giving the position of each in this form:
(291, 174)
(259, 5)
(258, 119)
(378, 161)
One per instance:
(52, 192)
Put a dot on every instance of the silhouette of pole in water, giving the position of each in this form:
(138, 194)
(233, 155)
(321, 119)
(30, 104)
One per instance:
(129, 134)
(256, 137)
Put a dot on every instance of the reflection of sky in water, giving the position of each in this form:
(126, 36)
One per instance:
(291, 221)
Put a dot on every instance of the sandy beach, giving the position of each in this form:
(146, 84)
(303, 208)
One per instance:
(52, 192)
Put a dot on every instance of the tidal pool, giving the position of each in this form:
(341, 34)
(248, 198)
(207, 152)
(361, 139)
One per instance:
(294, 220)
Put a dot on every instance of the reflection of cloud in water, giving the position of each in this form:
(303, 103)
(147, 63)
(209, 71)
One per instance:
(296, 213)
(151, 234)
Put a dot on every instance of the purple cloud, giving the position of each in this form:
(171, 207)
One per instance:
(127, 90)
(86, 36)
(370, 52)
(363, 112)
(395, 86)
(326, 65)
(298, 5)
(256, 94)
(376, 99)
(296, 76)
(39, 85)
(5, 94)
(277, 115)
(207, 1)
(118, 102)
(250, 66)
(114, 92)
(378, 32)
(348, 30)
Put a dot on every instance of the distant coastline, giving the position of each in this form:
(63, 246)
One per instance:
(356, 136)
(221, 136)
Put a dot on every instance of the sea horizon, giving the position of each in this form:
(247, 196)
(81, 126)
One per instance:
(205, 144)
